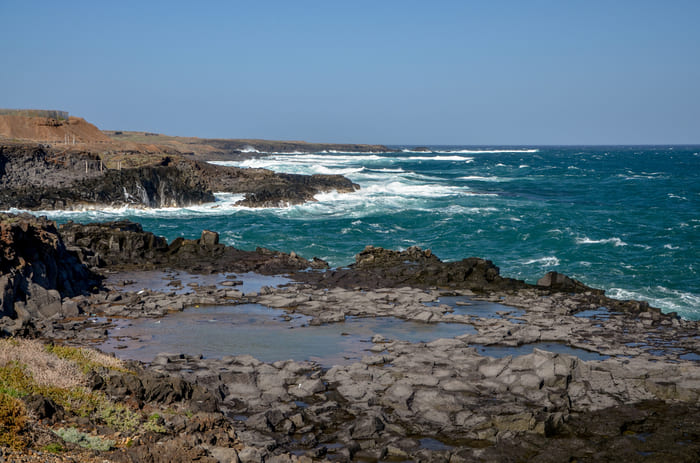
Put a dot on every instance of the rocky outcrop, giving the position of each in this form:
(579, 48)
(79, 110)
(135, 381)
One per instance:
(264, 188)
(562, 283)
(378, 267)
(37, 271)
(36, 177)
(125, 245)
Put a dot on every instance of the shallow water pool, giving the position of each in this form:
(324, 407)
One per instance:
(266, 334)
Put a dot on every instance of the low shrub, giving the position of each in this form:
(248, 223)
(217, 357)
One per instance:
(13, 420)
(85, 440)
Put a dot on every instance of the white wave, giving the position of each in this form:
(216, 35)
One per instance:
(485, 179)
(614, 240)
(334, 159)
(489, 151)
(549, 261)
(500, 165)
(223, 204)
(669, 300)
(671, 247)
(412, 190)
(354, 152)
(339, 171)
(249, 149)
(523, 166)
(671, 195)
(455, 209)
(472, 151)
(441, 158)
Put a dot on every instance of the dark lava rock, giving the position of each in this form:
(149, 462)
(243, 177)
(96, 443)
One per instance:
(562, 283)
(168, 451)
(37, 270)
(125, 245)
(33, 177)
(42, 407)
(378, 267)
(37, 177)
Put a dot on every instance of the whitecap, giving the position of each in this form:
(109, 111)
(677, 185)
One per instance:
(441, 158)
(337, 171)
(414, 190)
(486, 151)
(353, 152)
(669, 300)
(548, 261)
(614, 240)
(485, 179)
(457, 209)
(671, 247)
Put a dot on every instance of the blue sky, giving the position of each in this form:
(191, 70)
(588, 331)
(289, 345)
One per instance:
(393, 72)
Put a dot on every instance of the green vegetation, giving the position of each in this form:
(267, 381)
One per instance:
(54, 447)
(13, 420)
(153, 424)
(59, 373)
(82, 439)
(87, 359)
(119, 417)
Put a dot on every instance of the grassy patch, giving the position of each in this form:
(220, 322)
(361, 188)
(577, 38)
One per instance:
(53, 448)
(86, 359)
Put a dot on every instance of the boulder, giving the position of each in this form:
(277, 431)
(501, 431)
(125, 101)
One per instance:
(562, 283)
(37, 270)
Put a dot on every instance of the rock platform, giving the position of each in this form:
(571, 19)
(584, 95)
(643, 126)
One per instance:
(446, 400)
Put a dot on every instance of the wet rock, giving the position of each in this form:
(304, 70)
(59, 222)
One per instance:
(560, 282)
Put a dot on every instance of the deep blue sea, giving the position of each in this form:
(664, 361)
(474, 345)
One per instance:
(624, 219)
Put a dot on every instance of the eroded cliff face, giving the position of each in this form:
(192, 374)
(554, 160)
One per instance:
(35, 177)
(37, 270)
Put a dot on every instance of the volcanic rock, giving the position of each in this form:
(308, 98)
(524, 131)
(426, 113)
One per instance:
(37, 270)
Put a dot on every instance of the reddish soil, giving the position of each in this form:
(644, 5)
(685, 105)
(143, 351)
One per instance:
(49, 130)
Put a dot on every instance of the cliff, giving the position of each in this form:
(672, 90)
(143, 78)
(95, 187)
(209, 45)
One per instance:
(50, 129)
(37, 270)
(37, 177)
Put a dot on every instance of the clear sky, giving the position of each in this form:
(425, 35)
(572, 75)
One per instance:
(393, 72)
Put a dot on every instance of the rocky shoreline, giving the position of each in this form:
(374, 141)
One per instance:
(40, 177)
(444, 400)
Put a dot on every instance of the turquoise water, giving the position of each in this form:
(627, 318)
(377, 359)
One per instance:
(625, 219)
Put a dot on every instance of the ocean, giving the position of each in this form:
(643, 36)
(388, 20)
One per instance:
(622, 218)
